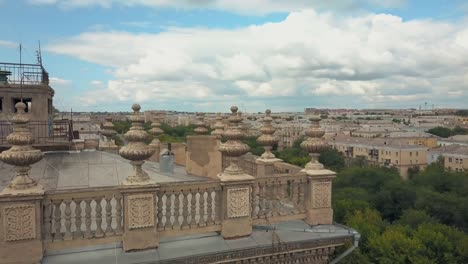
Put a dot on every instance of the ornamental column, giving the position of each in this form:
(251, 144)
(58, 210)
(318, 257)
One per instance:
(156, 131)
(319, 191)
(201, 126)
(137, 151)
(236, 184)
(108, 132)
(265, 164)
(218, 131)
(20, 202)
(139, 192)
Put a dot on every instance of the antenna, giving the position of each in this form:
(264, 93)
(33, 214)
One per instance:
(39, 54)
(21, 70)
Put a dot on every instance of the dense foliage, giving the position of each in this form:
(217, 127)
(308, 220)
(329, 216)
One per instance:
(447, 132)
(463, 112)
(422, 220)
(171, 134)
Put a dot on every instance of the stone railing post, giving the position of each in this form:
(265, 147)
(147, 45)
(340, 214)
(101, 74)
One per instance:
(265, 164)
(140, 217)
(20, 202)
(21, 230)
(319, 192)
(139, 191)
(236, 184)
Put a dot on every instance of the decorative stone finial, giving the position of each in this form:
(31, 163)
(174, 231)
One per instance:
(108, 130)
(267, 139)
(137, 150)
(21, 155)
(218, 126)
(314, 144)
(156, 130)
(201, 126)
(234, 148)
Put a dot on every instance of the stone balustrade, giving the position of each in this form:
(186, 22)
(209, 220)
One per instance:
(279, 198)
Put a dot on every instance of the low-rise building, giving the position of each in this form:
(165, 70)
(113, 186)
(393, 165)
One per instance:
(455, 157)
(383, 152)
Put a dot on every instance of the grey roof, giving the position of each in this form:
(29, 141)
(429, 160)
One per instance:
(175, 248)
(69, 170)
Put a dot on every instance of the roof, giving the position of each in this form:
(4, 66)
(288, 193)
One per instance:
(374, 142)
(69, 170)
(188, 248)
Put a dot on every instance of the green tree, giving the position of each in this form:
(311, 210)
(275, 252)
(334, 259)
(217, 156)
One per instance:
(332, 159)
(414, 218)
(367, 222)
(396, 246)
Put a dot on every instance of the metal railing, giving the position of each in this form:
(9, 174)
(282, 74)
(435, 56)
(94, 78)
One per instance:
(29, 73)
(42, 131)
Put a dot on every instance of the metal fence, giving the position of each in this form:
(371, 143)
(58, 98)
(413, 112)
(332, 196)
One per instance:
(42, 131)
(30, 73)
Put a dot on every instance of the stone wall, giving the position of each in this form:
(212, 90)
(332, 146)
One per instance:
(203, 156)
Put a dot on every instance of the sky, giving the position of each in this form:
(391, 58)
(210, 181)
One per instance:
(206, 55)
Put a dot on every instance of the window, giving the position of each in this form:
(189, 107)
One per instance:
(450, 159)
(27, 101)
(411, 154)
(396, 162)
(417, 162)
(411, 161)
(1, 104)
(417, 153)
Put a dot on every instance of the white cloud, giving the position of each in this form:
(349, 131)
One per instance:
(8, 44)
(375, 58)
(238, 6)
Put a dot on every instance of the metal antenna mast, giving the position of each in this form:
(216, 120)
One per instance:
(21, 70)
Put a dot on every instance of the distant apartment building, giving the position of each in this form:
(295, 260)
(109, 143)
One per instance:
(415, 138)
(454, 140)
(455, 157)
(383, 152)
(288, 133)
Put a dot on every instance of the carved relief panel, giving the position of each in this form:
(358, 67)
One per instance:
(238, 202)
(140, 211)
(321, 192)
(19, 222)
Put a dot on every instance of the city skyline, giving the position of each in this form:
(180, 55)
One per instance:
(190, 56)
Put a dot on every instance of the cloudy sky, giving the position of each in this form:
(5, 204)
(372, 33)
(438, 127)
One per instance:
(205, 55)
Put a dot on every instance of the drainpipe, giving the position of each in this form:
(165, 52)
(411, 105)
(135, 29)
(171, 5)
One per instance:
(357, 237)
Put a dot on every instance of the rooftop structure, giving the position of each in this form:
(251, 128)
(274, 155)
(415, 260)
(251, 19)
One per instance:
(97, 207)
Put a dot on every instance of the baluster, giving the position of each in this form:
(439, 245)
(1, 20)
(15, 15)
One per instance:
(261, 200)
(48, 220)
(281, 194)
(254, 199)
(68, 234)
(160, 210)
(268, 187)
(168, 223)
(88, 233)
(118, 213)
(176, 210)
(99, 232)
(78, 233)
(209, 207)
(109, 230)
(57, 220)
(218, 201)
(295, 196)
(193, 204)
(201, 208)
(276, 198)
(185, 210)
(302, 196)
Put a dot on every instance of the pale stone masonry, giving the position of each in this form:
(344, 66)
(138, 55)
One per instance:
(141, 213)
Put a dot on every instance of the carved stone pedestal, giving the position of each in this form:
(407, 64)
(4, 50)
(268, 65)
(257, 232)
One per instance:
(20, 233)
(266, 167)
(319, 194)
(140, 211)
(237, 221)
